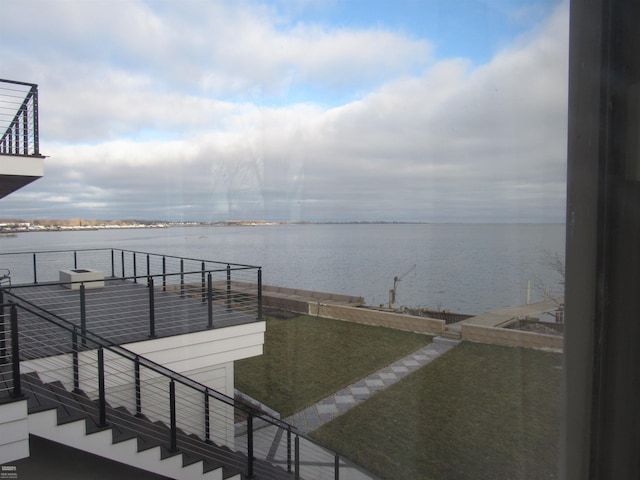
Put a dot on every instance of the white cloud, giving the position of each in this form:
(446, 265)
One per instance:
(454, 143)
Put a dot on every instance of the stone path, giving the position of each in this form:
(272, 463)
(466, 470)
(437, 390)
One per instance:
(334, 405)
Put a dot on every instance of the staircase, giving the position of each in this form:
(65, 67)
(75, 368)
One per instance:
(78, 389)
(73, 419)
(453, 331)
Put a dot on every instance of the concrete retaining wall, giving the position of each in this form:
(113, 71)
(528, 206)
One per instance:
(296, 300)
(425, 325)
(510, 338)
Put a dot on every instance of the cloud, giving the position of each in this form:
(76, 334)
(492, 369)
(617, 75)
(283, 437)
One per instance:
(167, 120)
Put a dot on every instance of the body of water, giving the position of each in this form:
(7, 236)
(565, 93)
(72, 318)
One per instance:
(469, 268)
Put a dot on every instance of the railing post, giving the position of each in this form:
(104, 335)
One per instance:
(289, 448)
(3, 345)
(172, 407)
(136, 365)
(152, 309)
(210, 300)
(102, 400)
(122, 261)
(337, 467)
(297, 458)
(15, 353)
(19, 115)
(164, 274)
(113, 264)
(228, 288)
(250, 445)
(36, 133)
(35, 269)
(259, 293)
(135, 269)
(148, 266)
(182, 277)
(76, 363)
(203, 291)
(75, 259)
(25, 130)
(83, 315)
(207, 419)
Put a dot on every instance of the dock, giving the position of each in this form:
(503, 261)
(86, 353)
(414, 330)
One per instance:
(494, 327)
(499, 318)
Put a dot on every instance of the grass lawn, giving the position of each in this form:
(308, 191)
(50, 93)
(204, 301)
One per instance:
(478, 412)
(307, 358)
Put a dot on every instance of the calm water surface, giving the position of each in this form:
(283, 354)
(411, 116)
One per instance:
(464, 268)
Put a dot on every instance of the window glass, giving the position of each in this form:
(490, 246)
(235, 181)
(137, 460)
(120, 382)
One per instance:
(409, 154)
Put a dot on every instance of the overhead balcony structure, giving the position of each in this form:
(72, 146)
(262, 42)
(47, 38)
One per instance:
(20, 160)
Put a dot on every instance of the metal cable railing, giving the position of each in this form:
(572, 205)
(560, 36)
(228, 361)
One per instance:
(136, 295)
(120, 389)
(44, 266)
(19, 118)
(70, 333)
(134, 308)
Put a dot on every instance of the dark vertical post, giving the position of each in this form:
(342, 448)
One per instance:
(122, 261)
(210, 300)
(259, 293)
(250, 445)
(207, 420)
(148, 266)
(83, 315)
(182, 277)
(289, 448)
(101, 390)
(297, 458)
(3, 346)
(138, 386)
(36, 133)
(113, 264)
(172, 407)
(75, 259)
(15, 353)
(164, 274)
(35, 269)
(337, 467)
(135, 269)
(152, 310)
(203, 284)
(25, 130)
(76, 363)
(16, 124)
(228, 288)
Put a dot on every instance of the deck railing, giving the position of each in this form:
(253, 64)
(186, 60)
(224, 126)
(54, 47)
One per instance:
(142, 295)
(44, 266)
(196, 417)
(19, 133)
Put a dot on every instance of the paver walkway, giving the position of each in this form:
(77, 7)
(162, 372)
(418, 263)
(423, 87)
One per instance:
(334, 405)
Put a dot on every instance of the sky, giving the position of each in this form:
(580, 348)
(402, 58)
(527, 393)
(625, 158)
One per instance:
(294, 110)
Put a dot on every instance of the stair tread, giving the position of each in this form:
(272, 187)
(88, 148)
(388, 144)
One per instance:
(124, 425)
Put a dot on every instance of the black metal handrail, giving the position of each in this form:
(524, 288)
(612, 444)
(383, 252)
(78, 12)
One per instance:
(43, 266)
(85, 342)
(19, 118)
(238, 286)
(226, 301)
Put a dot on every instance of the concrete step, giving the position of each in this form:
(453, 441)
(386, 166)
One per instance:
(135, 440)
(454, 333)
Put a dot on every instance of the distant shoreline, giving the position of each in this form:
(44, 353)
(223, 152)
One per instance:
(19, 226)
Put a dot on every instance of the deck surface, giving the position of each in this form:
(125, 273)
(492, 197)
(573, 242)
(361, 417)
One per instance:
(120, 313)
